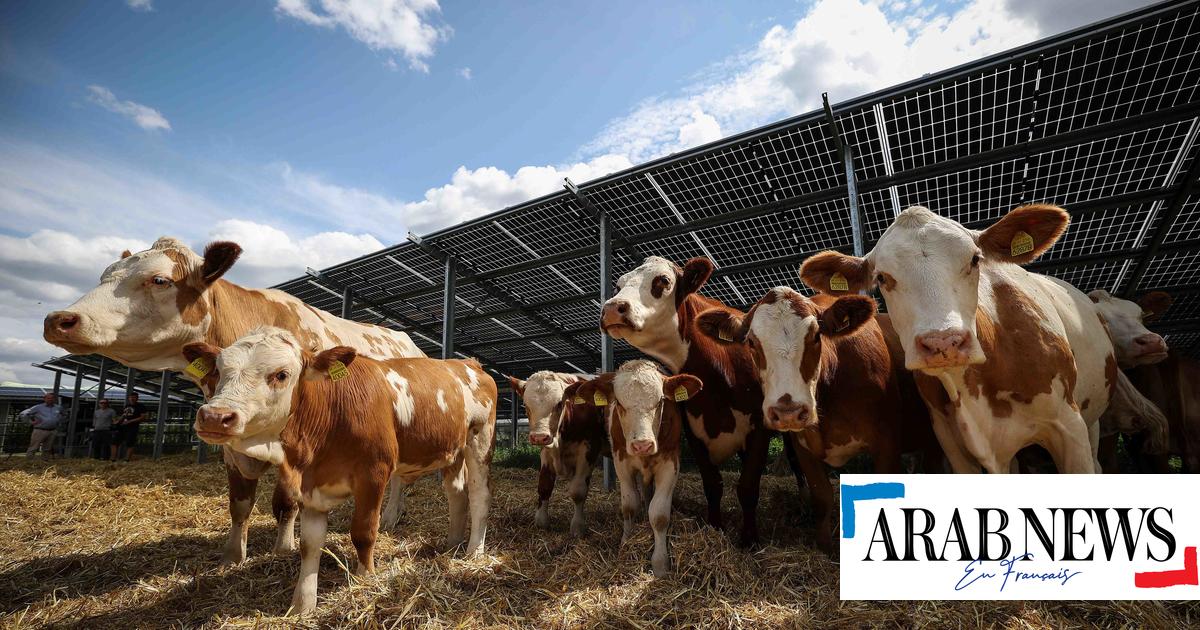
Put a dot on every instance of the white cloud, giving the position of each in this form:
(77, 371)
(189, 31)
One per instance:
(140, 5)
(271, 255)
(473, 192)
(145, 117)
(403, 26)
(844, 47)
(465, 73)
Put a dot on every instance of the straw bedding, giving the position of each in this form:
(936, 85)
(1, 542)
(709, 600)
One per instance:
(93, 545)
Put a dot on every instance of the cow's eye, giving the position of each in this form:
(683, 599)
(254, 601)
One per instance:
(280, 376)
(161, 281)
(880, 279)
(975, 260)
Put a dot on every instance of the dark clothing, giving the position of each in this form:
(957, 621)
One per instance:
(127, 428)
(127, 434)
(133, 410)
(102, 443)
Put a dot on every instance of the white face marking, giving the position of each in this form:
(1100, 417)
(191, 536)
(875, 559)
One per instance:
(1125, 324)
(402, 398)
(133, 318)
(250, 387)
(653, 321)
(935, 286)
(638, 387)
(543, 391)
(781, 334)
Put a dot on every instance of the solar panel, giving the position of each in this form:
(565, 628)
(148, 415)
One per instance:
(1104, 121)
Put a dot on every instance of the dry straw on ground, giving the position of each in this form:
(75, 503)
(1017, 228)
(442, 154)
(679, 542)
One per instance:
(93, 545)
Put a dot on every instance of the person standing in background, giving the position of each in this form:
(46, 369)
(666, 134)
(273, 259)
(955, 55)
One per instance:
(102, 421)
(45, 418)
(131, 420)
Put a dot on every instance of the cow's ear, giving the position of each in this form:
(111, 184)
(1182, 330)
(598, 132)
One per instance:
(596, 392)
(1024, 233)
(572, 390)
(695, 273)
(721, 326)
(126, 254)
(846, 315)
(326, 363)
(681, 387)
(1098, 295)
(219, 256)
(836, 273)
(198, 350)
(1155, 303)
(518, 385)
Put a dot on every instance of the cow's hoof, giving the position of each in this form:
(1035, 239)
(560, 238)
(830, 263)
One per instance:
(302, 604)
(660, 568)
(542, 519)
(285, 545)
(231, 558)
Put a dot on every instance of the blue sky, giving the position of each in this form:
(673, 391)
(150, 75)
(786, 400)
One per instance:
(312, 131)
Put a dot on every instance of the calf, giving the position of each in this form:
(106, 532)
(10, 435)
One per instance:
(340, 425)
(655, 309)
(571, 436)
(1170, 381)
(644, 427)
(829, 382)
(152, 303)
(1008, 358)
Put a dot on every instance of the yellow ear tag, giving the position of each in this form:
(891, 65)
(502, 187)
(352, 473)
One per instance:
(579, 400)
(338, 371)
(198, 368)
(600, 399)
(1022, 243)
(837, 282)
(681, 394)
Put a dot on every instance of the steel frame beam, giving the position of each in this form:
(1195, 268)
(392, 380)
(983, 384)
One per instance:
(1165, 222)
(449, 304)
(160, 422)
(73, 419)
(606, 342)
(846, 155)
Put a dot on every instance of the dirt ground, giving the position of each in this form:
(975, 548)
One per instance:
(95, 545)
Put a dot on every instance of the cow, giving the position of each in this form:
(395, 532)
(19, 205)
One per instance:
(340, 425)
(1007, 358)
(645, 425)
(655, 309)
(830, 382)
(1170, 381)
(572, 438)
(150, 304)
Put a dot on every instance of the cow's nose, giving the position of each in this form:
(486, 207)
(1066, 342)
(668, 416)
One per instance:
(215, 419)
(1150, 342)
(61, 322)
(788, 417)
(614, 313)
(642, 447)
(539, 439)
(944, 347)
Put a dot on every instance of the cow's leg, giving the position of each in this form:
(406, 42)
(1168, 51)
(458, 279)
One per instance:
(630, 501)
(454, 483)
(1093, 431)
(885, 457)
(313, 525)
(1070, 445)
(479, 485)
(241, 503)
(789, 451)
(580, 483)
(1107, 454)
(960, 459)
(754, 460)
(660, 516)
(394, 508)
(364, 525)
(546, 477)
(822, 494)
(285, 509)
(710, 476)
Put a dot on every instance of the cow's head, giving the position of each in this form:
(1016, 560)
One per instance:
(544, 395)
(1126, 321)
(256, 381)
(928, 266)
(644, 311)
(637, 395)
(146, 307)
(785, 333)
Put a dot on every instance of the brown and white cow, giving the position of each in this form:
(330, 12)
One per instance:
(831, 383)
(340, 426)
(149, 305)
(1170, 381)
(655, 310)
(571, 436)
(1008, 358)
(645, 425)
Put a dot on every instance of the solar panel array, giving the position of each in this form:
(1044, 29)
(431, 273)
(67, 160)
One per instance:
(1102, 121)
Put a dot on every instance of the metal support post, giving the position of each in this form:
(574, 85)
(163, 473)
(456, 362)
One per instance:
(606, 342)
(347, 302)
(73, 419)
(448, 308)
(103, 386)
(846, 152)
(160, 424)
(514, 405)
